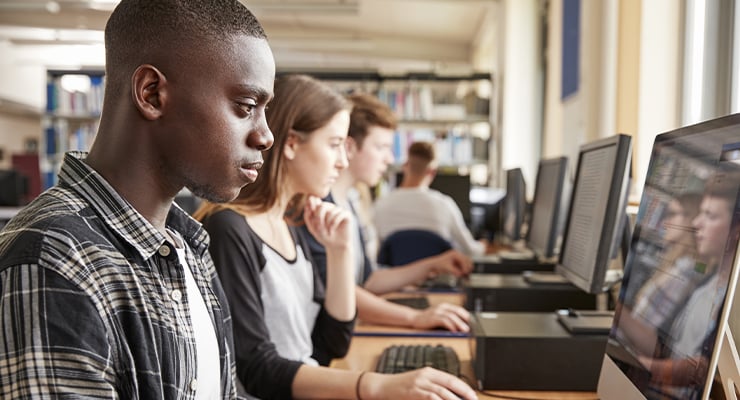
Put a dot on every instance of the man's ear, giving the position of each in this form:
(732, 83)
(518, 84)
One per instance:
(149, 87)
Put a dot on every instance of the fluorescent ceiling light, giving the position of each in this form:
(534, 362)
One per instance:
(304, 6)
(28, 35)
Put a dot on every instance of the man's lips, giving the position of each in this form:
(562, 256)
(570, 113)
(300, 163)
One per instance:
(251, 170)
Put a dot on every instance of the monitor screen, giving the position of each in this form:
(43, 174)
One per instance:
(680, 271)
(596, 208)
(515, 205)
(456, 186)
(545, 223)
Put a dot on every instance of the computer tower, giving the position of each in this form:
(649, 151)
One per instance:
(511, 266)
(506, 292)
(533, 351)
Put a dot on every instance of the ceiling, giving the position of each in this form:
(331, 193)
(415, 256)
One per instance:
(395, 35)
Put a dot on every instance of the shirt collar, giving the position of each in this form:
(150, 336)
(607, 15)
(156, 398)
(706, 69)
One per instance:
(120, 216)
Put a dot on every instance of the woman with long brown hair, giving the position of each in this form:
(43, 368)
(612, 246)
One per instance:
(266, 267)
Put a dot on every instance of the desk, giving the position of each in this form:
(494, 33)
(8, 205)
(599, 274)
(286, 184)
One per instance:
(364, 352)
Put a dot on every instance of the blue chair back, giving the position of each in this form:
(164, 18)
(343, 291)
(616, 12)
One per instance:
(405, 246)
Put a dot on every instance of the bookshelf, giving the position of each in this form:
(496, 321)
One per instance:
(451, 111)
(74, 99)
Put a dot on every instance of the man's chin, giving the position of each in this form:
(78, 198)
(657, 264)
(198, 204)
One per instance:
(213, 196)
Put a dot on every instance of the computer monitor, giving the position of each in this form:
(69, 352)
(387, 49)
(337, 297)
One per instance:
(548, 207)
(670, 322)
(456, 186)
(595, 212)
(515, 205)
(13, 188)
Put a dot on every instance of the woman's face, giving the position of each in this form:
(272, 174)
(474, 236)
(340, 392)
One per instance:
(712, 226)
(677, 224)
(319, 157)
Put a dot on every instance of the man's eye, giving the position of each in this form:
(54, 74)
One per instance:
(246, 106)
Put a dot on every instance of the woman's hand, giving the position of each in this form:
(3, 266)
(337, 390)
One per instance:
(425, 383)
(451, 262)
(445, 315)
(328, 223)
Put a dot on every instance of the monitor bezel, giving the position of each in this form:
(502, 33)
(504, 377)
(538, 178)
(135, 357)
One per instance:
(554, 227)
(615, 209)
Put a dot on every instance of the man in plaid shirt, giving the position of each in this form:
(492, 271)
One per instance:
(106, 288)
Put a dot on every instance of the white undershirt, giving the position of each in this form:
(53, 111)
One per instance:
(207, 352)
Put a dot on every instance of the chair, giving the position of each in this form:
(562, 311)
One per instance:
(405, 246)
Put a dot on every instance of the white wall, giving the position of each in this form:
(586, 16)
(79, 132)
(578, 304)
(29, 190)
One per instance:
(22, 79)
(590, 112)
(521, 83)
(484, 50)
(553, 139)
(659, 80)
(23, 83)
(628, 84)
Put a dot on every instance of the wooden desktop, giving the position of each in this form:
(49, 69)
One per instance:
(365, 350)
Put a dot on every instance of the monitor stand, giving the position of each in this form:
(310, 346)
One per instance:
(586, 321)
(507, 292)
(534, 351)
(728, 366)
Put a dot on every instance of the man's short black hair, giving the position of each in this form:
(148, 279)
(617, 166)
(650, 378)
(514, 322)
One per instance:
(139, 31)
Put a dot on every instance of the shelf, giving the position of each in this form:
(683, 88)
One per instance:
(73, 105)
(73, 117)
(375, 76)
(451, 111)
(471, 119)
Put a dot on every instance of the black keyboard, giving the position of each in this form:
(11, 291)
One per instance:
(419, 303)
(442, 282)
(402, 358)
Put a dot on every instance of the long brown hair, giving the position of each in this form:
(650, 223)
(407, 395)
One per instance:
(301, 106)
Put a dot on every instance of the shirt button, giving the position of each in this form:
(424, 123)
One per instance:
(176, 295)
(194, 385)
(164, 251)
